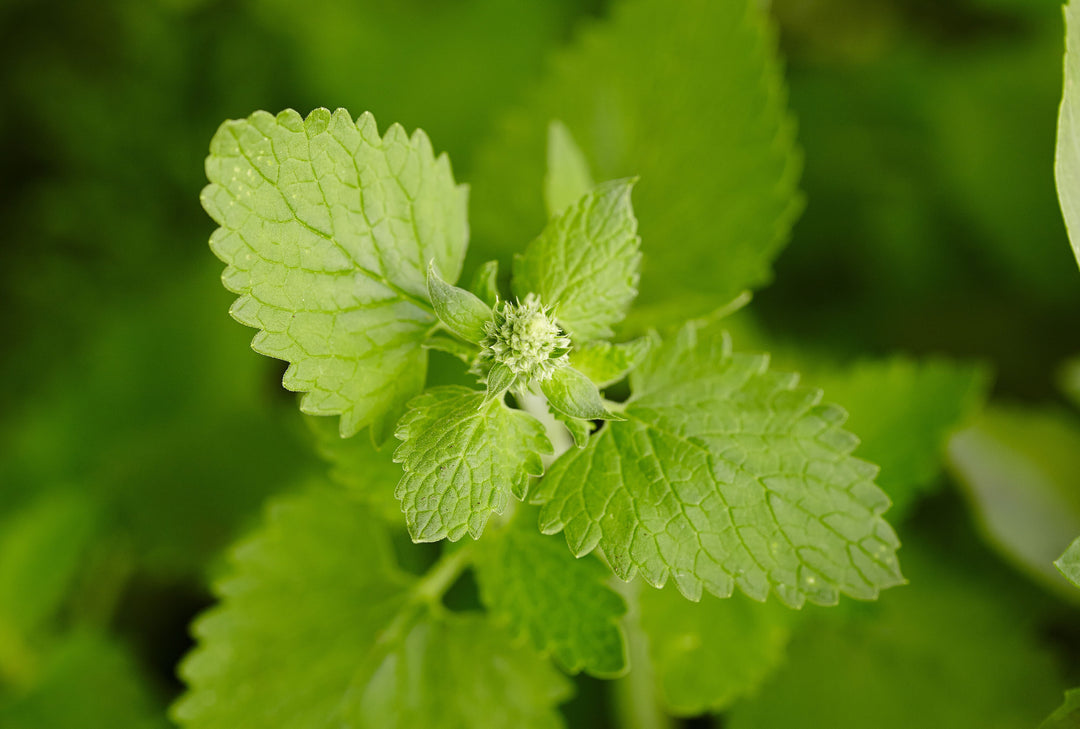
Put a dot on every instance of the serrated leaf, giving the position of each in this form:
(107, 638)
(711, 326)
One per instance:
(568, 178)
(461, 311)
(605, 363)
(463, 457)
(354, 649)
(1019, 468)
(585, 263)
(1067, 166)
(642, 96)
(574, 395)
(370, 475)
(919, 657)
(485, 283)
(563, 604)
(705, 655)
(726, 474)
(1068, 564)
(327, 228)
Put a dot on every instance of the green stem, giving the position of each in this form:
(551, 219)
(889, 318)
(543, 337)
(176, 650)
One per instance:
(636, 704)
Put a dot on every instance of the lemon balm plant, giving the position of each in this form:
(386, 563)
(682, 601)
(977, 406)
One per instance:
(716, 473)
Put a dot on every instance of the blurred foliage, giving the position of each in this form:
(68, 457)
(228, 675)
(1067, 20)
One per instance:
(139, 435)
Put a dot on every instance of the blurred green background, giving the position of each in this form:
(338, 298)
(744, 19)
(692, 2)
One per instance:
(139, 435)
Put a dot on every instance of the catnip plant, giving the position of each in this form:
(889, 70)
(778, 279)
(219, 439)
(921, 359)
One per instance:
(667, 457)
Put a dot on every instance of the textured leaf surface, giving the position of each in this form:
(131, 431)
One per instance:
(904, 411)
(327, 228)
(1020, 468)
(585, 263)
(534, 584)
(312, 633)
(707, 654)
(641, 95)
(606, 363)
(726, 474)
(463, 459)
(1067, 167)
(955, 648)
(86, 682)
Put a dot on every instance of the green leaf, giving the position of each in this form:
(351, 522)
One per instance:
(327, 229)
(499, 379)
(451, 346)
(1067, 715)
(534, 584)
(586, 262)
(904, 411)
(86, 681)
(41, 546)
(605, 363)
(568, 178)
(955, 648)
(461, 311)
(1069, 380)
(485, 283)
(1068, 564)
(726, 474)
(715, 151)
(1019, 468)
(357, 646)
(464, 457)
(572, 394)
(370, 475)
(707, 654)
(1067, 166)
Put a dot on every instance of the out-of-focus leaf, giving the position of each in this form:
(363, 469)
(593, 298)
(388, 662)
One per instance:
(1067, 166)
(1021, 471)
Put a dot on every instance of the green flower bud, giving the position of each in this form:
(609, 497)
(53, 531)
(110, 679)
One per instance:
(525, 338)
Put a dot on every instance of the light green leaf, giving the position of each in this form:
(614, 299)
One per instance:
(563, 604)
(1067, 166)
(1068, 564)
(357, 646)
(1020, 468)
(605, 363)
(499, 379)
(568, 178)
(642, 95)
(461, 311)
(1067, 715)
(86, 681)
(955, 648)
(327, 229)
(585, 263)
(903, 411)
(451, 346)
(464, 457)
(485, 283)
(726, 474)
(707, 654)
(1069, 380)
(573, 395)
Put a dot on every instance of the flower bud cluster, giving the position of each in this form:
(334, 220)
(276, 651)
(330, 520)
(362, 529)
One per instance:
(525, 338)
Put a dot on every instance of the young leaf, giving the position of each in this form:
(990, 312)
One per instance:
(1067, 167)
(725, 474)
(572, 394)
(568, 179)
(356, 648)
(451, 346)
(707, 654)
(606, 363)
(534, 584)
(485, 283)
(499, 379)
(715, 151)
(461, 311)
(585, 263)
(464, 456)
(327, 228)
